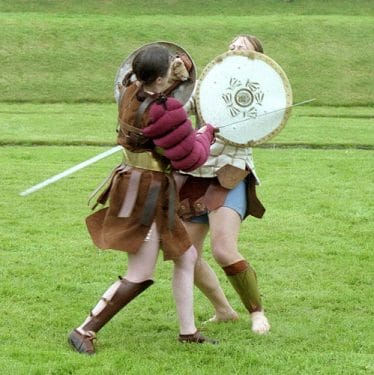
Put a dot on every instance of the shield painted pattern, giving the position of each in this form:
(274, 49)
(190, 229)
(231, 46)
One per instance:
(246, 95)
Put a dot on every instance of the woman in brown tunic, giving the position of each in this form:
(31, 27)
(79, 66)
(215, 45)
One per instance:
(141, 217)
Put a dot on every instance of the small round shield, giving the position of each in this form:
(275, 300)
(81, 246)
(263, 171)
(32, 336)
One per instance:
(246, 95)
(184, 89)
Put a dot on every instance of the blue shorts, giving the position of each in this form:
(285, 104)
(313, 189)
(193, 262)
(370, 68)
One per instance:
(236, 199)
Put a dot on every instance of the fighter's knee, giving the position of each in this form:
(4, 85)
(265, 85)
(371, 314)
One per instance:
(192, 254)
(225, 255)
(220, 255)
(222, 243)
(189, 257)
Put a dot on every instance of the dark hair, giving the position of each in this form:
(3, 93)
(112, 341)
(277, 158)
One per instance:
(253, 40)
(150, 63)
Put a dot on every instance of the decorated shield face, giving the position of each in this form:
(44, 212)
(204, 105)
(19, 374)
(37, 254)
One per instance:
(246, 95)
(184, 89)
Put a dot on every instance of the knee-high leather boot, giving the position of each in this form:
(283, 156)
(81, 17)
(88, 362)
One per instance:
(125, 293)
(243, 278)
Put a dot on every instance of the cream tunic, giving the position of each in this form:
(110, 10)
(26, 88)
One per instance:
(222, 153)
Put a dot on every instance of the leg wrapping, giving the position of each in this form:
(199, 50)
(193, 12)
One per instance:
(243, 278)
(124, 294)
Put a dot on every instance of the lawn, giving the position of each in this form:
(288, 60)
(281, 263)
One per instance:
(313, 250)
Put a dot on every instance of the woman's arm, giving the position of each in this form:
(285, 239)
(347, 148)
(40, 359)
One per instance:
(171, 130)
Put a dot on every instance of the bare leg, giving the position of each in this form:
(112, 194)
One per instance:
(183, 290)
(140, 271)
(224, 226)
(141, 266)
(224, 230)
(183, 293)
(206, 279)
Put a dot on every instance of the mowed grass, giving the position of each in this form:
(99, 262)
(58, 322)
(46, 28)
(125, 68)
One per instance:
(95, 124)
(190, 7)
(49, 57)
(312, 252)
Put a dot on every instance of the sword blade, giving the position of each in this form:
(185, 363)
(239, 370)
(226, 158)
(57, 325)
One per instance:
(268, 113)
(70, 171)
(290, 106)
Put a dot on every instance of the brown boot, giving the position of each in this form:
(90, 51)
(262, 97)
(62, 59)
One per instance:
(197, 338)
(82, 343)
(243, 278)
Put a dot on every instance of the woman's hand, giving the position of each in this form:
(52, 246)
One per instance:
(205, 128)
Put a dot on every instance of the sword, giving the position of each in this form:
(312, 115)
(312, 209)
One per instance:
(113, 150)
(268, 113)
(70, 171)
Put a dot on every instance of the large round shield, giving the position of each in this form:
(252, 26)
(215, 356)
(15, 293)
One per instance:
(246, 95)
(182, 92)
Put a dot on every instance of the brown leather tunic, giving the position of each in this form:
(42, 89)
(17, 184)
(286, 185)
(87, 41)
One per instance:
(137, 198)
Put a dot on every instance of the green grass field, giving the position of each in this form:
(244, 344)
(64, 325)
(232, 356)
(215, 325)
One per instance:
(74, 57)
(313, 251)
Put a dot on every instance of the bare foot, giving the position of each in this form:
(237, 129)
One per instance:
(223, 317)
(260, 324)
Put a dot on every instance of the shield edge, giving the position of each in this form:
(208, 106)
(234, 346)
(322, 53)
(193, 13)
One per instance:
(118, 78)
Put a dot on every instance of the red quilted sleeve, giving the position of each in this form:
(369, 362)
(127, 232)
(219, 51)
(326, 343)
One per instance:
(170, 129)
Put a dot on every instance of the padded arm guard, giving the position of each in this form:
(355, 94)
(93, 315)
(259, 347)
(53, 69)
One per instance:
(170, 129)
